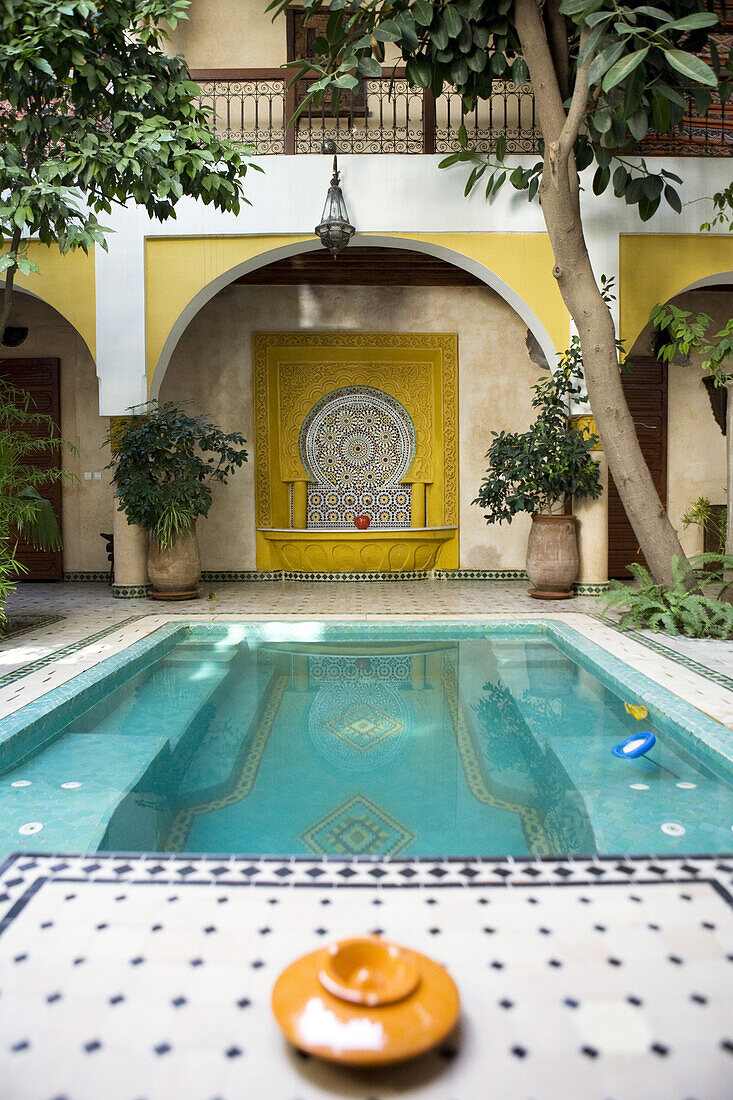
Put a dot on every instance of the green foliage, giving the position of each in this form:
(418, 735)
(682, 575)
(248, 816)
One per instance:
(639, 63)
(164, 464)
(95, 113)
(686, 332)
(24, 434)
(536, 470)
(722, 210)
(702, 513)
(682, 608)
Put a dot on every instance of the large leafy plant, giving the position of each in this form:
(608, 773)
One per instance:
(164, 464)
(25, 434)
(93, 111)
(537, 470)
(682, 607)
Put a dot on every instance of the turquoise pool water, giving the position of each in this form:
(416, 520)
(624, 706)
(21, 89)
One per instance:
(420, 739)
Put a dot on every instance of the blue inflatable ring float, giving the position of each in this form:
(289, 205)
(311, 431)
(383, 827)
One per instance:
(633, 746)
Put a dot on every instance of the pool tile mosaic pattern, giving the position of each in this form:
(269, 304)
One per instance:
(138, 977)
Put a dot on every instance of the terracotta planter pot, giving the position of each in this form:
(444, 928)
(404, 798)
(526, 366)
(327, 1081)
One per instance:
(552, 556)
(175, 573)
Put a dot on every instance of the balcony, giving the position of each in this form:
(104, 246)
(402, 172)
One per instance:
(388, 115)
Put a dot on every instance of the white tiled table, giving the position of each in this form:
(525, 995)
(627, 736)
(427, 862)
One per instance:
(148, 979)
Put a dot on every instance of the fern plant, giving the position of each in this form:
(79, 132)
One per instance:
(683, 608)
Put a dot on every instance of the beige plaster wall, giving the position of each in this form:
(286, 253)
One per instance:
(230, 34)
(695, 444)
(212, 367)
(86, 505)
(235, 34)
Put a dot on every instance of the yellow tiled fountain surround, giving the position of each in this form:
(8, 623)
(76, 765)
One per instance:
(293, 371)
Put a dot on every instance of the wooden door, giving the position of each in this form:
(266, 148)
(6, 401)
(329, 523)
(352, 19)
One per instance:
(39, 378)
(646, 394)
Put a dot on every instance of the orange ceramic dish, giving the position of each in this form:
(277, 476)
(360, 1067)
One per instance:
(365, 1002)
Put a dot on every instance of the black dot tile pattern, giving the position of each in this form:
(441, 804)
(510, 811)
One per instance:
(605, 973)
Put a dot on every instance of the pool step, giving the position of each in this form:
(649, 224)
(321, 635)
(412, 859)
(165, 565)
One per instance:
(72, 817)
(110, 751)
(234, 722)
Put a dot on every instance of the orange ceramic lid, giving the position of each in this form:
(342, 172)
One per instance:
(365, 1002)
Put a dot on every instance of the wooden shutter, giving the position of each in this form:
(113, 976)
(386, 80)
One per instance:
(40, 378)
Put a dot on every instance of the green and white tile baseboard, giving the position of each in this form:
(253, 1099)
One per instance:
(235, 576)
(130, 591)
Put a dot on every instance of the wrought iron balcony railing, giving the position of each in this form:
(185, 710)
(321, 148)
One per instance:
(388, 115)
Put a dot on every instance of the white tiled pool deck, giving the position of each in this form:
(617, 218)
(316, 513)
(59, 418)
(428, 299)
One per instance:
(148, 977)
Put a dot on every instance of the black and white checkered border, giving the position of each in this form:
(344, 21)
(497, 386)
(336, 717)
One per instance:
(21, 871)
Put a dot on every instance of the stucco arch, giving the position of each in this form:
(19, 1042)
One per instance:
(655, 268)
(66, 283)
(451, 255)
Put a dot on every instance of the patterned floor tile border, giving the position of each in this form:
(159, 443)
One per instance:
(679, 658)
(19, 626)
(64, 651)
(384, 874)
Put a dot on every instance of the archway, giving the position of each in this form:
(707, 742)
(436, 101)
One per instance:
(55, 365)
(449, 256)
(680, 424)
(215, 366)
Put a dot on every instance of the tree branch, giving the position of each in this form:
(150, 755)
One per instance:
(557, 40)
(548, 97)
(577, 109)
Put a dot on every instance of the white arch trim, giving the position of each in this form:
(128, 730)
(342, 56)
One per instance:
(709, 280)
(440, 252)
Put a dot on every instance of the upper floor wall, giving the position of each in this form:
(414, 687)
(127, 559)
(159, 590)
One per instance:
(230, 34)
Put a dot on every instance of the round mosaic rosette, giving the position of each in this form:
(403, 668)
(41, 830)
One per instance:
(357, 437)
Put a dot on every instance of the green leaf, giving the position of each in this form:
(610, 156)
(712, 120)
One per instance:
(693, 22)
(691, 67)
(639, 124)
(419, 72)
(422, 13)
(654, 13)
(605, 59)
(388, 31)
(623, 68)
(369, 66)
(673, 199)
(43, 65)
(452, 21)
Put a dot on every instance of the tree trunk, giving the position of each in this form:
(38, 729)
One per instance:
(559, 194)
(9, 280)
(729, 464)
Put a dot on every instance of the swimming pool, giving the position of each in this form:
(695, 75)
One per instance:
(411, 739)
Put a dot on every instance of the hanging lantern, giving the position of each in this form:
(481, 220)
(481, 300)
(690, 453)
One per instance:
(335, 230)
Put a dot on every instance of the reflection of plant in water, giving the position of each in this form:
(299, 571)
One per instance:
(501, 723)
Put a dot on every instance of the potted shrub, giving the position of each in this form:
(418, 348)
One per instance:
(537, 471)
(164, 463)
